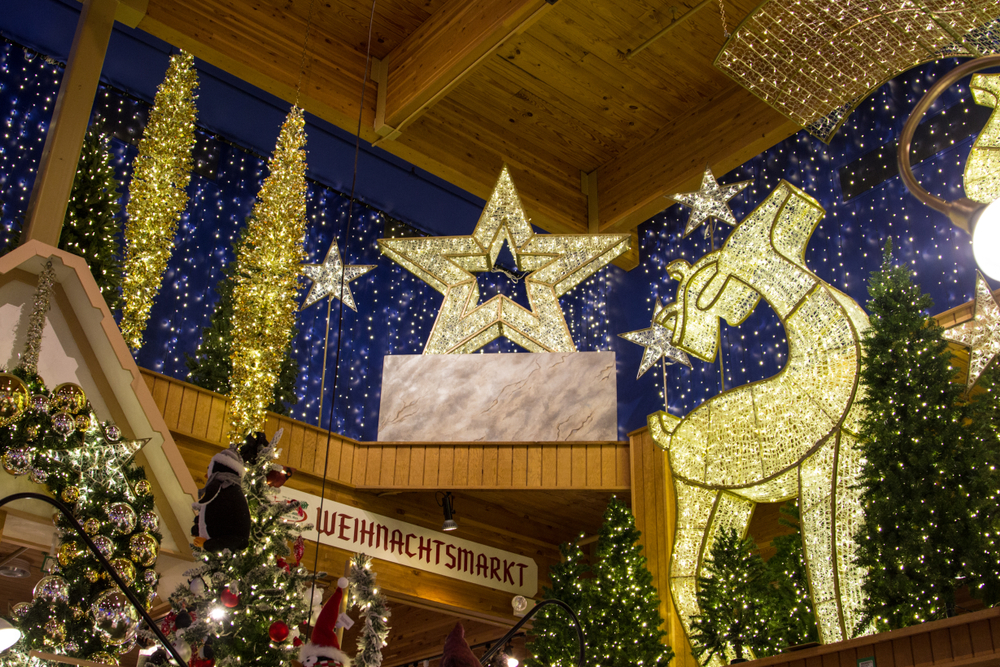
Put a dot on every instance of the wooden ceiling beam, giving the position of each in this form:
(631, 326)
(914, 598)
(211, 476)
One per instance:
(444, 49)
(726, 131)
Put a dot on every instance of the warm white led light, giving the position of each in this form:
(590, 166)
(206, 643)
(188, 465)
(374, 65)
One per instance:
(986, 241)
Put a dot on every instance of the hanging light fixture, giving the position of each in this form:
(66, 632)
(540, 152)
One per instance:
(8, 635)
(448, 505)
(980, 220)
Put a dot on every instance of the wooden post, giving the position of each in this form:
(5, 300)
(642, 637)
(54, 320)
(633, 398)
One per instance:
(57, 168)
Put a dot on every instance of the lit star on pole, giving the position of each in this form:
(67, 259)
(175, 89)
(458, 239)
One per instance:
(656, 339)
(711, 201)
(981, 334)
(328, 277)
(554, 263)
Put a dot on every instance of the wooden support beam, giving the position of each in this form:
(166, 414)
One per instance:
(445, 48)
(130, 12)
(57, 168)
(725, 132)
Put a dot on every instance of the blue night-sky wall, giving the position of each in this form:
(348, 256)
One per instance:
(396, 310)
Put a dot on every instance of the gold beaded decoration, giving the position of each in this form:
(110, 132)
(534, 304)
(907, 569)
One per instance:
(777, 438)
(555, 264)
(982, 169)
(815, 60)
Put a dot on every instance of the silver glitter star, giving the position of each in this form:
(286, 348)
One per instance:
(711, 201)
(328, 277)
(656, 339)
(982, 333)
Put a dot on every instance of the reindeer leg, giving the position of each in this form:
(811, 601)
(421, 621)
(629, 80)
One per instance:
(849, 516)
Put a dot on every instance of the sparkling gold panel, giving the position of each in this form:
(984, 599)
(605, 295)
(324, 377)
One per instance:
(814, 60)
(555, 265)
(982, 169)
(773, 439)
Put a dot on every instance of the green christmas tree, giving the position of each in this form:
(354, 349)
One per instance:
(733, 599)
(92, 227)
(790, 614)
(614, 598)
(930, 478)
(243, 608)
(212, 366)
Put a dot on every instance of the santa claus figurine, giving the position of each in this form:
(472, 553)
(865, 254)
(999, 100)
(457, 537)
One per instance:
(323, 648)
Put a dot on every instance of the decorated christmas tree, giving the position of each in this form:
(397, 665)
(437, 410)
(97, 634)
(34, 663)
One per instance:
(614, 598)
(791, 618)
(242, 606)
(211, 367)
(56, 440)
(929, 481)
(732, 595)
(92, 227)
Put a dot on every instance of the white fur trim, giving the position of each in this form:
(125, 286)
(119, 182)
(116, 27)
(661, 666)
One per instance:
(226, 457)
(311, 650)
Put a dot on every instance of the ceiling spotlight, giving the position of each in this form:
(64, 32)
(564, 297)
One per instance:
(8, 635)
(16, 568)
(448, 504)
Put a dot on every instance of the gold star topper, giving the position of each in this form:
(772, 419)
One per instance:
(332, 276)
(981, 334)
(555, 265)
(711, 201)
(656, 339)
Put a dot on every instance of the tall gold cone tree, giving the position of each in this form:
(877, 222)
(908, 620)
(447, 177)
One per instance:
(158, 193)
(267, 280)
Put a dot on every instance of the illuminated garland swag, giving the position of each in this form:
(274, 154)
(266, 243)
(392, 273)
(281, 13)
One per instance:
(364, 594)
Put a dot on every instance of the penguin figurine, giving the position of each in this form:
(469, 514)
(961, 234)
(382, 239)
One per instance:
(223, 520)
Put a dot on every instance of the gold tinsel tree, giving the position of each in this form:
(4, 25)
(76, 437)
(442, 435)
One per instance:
(267, 279)
(158, 193)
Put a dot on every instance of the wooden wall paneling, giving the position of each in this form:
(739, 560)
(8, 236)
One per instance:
(981, 639)
(417, 456)
(578, 464)
(203, 411)
(564, 467)
(386, 466)
(432, 457)
(814, 661)
(446, 467)
(475, 466)
(490, 478)
(373, 468)
(847, 658)
(504, 466)
(961, 642)
(883, 653)
(830, 660)
(535, 466)
(461, 467)
(519, 466)
(294, 443)
(936, 646)
(902, 652)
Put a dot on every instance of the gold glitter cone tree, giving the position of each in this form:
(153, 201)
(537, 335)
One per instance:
(267, 279)
(158, 193)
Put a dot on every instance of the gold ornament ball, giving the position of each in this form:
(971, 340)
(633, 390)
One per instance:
(151, 577)
(122, 518)
(112, 433)
(91, 526)
(21, 609)
(114, 617)
(70, 494)
(52, 588)
(63, 423)
(143, 488)
(149, 521)
(38, 475)
(14, 398)
(83, 422)
(93, 575)
(144, 549)
(69, 552)
(125, 570)
(104, 545)
(69, 397)
(40, 403)
(17, 460)
(55, 632)
(104, 659)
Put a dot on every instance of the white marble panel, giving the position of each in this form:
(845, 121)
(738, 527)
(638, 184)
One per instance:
(499, 398)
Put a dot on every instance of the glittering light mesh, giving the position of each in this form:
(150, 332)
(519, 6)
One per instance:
(555, 264)
(773, 439)
(982, 169)
(814, 60)
(982, 333)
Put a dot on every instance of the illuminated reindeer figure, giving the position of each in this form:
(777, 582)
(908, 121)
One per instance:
(789, 435)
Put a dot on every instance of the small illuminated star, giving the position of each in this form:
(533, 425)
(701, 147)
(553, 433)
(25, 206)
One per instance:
(656, 339)
(981, 334)
(328, 277)
(711, 201)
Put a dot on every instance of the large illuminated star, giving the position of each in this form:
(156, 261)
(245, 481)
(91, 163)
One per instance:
(656, 339)
(328, 277)
(982, 333)
(556, 264)
(711, 201)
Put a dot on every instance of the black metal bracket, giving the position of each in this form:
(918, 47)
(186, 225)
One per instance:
(513, 631)
(139, 607)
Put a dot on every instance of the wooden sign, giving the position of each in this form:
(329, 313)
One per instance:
(388, 539)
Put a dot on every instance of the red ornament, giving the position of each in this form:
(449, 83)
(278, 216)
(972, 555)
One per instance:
(299, 548)
(297, 642)
(283, 564)
(229, 598)
(278, 632)
(277, 478)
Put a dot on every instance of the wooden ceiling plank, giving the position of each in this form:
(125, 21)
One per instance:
(438, 54)
(724, 133)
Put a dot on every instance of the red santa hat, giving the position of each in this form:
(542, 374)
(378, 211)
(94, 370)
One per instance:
(323, 648)
(456, 650)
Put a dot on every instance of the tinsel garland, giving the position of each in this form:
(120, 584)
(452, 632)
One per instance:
(36, 323)
(158, 193)
(364, 593)
(267, 280)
